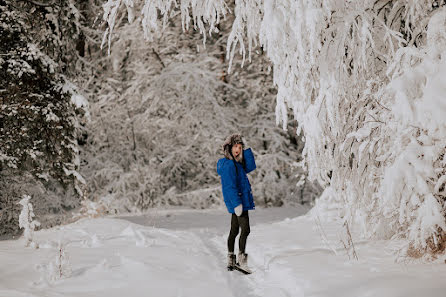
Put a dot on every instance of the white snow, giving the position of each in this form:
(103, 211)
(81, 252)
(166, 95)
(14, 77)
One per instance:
(301, 256)
(112, 257)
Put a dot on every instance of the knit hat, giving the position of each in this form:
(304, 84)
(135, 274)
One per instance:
(230, 141)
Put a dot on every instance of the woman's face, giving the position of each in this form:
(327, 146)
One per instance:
(236, 150)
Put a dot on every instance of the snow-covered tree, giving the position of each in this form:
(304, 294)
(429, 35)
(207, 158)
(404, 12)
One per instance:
(27, 222)
(41, 111)
(359, 78)
(161, 110)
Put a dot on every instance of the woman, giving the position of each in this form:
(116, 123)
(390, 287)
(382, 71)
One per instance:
(237, 194)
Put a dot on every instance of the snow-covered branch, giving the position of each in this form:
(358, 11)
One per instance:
(359, 78)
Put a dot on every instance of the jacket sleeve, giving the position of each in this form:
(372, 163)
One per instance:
(229, 185)
(249, 160)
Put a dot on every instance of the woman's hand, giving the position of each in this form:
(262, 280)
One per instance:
(238, 210)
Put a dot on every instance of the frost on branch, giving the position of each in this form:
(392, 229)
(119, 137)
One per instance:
(248, 15)
(27, 222)
(155, 14)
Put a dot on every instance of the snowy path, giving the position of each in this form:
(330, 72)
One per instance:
(235, 281)
(212, 226)
(184, 255)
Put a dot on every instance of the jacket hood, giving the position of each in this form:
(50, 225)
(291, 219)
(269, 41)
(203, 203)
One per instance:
(230, 141)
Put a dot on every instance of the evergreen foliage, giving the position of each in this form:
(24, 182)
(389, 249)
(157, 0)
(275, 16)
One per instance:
(39, 121)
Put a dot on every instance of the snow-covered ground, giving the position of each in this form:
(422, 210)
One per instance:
(183, 253)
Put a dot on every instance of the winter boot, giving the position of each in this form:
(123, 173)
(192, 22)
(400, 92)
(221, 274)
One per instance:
(231, 261)
(243, 261)
(242, 264)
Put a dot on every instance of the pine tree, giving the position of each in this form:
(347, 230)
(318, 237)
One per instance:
(40, 109)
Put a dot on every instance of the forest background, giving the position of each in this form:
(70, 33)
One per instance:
(364, 81)
(138, 127)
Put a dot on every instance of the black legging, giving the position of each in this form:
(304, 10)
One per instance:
(241, 222)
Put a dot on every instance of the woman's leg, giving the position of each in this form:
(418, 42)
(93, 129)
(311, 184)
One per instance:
(243, 221)
(233, 233)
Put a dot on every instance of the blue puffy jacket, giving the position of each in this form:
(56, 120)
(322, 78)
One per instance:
(236, 187)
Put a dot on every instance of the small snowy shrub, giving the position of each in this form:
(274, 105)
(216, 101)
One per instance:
(27, 222)
(60, 267)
